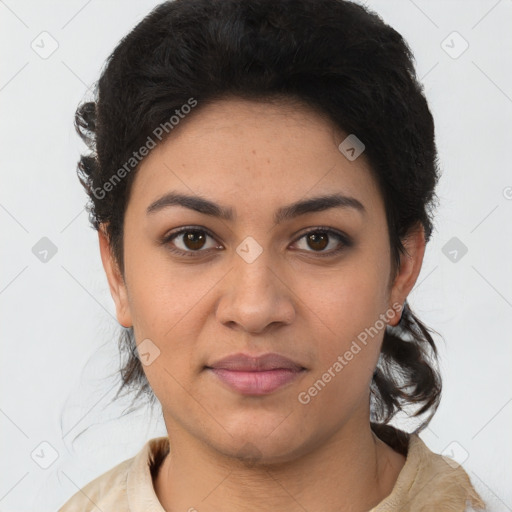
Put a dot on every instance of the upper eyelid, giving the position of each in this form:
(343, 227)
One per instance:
(180, 231)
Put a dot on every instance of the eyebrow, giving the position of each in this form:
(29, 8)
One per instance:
(302, 207)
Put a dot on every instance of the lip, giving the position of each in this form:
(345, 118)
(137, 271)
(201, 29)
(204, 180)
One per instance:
(256, 375)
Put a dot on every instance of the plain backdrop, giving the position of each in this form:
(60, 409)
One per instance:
(60, 428)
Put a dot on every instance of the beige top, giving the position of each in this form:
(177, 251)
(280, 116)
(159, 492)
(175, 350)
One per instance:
(426, 483)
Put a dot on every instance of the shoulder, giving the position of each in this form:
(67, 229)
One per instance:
(429, 481)
(450, 485)
(117, 487)
(107, 489)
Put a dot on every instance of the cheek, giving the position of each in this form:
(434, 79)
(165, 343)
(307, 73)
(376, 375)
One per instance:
(162, 294)
(348, 342)
(347, 305)
(346, 310)
(164, 306)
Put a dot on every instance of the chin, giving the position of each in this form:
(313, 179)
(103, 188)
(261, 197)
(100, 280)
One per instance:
(262, 439)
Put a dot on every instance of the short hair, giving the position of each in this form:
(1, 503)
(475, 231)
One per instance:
(334, 56)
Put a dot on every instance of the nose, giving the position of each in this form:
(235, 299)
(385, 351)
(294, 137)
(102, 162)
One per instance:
(256, 295)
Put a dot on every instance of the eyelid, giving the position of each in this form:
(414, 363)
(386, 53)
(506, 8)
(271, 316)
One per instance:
(345, 240)
(323, 229)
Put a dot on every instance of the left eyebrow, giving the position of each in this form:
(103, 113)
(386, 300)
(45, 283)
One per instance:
(291, 211)
(318, 204)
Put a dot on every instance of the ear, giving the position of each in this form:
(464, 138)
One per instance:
(115, 280)
(410, 266)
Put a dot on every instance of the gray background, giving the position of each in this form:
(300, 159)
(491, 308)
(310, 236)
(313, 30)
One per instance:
(58, 328)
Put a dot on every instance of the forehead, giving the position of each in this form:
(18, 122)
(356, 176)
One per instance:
(254, 154)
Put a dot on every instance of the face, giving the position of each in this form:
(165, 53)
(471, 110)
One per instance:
(311, 284)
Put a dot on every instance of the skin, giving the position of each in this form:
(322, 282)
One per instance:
(230, 451)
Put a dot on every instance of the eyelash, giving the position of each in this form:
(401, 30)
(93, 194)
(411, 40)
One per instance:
(344, 239)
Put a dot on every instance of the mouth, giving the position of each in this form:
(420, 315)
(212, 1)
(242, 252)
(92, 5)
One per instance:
(262, 375)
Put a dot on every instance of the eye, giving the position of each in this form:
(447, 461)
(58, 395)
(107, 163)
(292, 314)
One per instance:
(321, 237)
(189, 241)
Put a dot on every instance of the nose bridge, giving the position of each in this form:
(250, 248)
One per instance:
(255, 295)
(253, 272)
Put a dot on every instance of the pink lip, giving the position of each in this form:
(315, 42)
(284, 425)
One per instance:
(256, 375)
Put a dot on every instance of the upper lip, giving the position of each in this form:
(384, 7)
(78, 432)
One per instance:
(248, 363)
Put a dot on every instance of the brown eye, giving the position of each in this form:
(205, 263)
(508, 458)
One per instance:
(318, 240)
(188, 241)
(193, 239)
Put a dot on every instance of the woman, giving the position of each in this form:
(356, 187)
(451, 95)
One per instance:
(262, 182)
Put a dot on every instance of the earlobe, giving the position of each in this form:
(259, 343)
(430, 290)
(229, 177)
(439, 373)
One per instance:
(410, 267)
(115, 279)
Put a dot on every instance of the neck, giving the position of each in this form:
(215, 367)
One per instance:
(353, 470)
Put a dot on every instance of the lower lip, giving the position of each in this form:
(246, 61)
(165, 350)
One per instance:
(256, 383)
